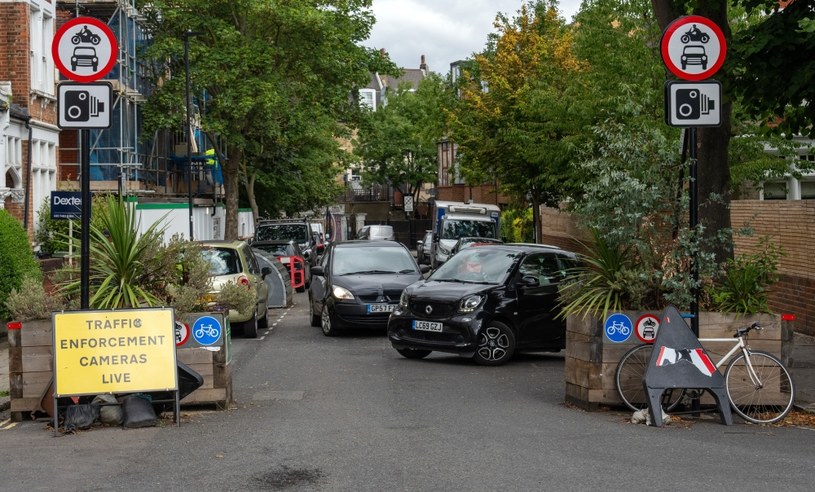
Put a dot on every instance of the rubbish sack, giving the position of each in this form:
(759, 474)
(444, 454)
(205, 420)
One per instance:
(138, 412)
(110, 412)
(80, 417)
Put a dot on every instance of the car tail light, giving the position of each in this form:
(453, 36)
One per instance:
(244, 281)
(788, 317)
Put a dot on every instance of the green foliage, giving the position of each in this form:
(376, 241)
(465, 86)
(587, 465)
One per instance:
(743, 284)
(31, 301)
(396, 144)
(126, 270)
(601, 283)
(272, 73)
(51, 234)
(517, 225)
(780, 47)
(16, 259)
(188, 278)
(237, 297)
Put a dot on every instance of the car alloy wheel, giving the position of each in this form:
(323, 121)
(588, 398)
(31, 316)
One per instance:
(325, 322)
(496, 344)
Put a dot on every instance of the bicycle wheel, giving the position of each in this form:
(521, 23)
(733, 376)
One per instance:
(767, 401)
(629, 379)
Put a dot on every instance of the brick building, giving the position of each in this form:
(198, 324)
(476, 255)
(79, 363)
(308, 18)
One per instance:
(29, 137)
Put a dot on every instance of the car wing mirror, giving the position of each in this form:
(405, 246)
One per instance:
(424, 269)
(265, 271)
(317, 270)
(529, 281)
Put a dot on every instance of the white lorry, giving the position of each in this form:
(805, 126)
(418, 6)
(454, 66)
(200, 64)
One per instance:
(454, 220)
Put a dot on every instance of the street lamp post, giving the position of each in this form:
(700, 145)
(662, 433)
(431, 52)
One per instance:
(187, 99)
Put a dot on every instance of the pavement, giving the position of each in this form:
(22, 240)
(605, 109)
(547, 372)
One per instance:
(802, 367)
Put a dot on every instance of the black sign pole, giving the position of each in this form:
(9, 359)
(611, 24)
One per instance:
(694, 222)
(84, 257)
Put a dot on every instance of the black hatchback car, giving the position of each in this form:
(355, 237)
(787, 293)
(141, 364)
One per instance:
(485, 303)
(358, 284)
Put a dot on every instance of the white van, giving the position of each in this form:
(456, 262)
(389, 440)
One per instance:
(376, 232)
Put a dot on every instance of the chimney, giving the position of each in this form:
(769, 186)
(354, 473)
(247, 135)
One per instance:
(423, 66)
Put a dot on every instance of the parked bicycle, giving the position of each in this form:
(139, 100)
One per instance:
(759, 387)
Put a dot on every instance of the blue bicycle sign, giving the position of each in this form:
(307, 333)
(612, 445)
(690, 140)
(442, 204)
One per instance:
(618, 327)
(206, 330)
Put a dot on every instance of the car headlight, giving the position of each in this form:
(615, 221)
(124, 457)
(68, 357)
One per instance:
(403, 300)
(469, 304)
(342, 293)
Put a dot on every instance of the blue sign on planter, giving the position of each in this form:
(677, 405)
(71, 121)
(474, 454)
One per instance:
(66, 205)
(618, 327)
(206, 330)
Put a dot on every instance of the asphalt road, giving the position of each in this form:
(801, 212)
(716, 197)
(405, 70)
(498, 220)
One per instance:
(350, 414)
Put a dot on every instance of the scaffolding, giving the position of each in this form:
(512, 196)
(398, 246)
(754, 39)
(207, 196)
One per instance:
(122, 158)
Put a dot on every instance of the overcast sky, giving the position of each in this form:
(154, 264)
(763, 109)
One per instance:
(443, 30)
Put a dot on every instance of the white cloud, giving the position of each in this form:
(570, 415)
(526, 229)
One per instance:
(443, 30)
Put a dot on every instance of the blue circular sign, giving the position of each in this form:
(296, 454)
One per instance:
(618, 327)
(206, 330)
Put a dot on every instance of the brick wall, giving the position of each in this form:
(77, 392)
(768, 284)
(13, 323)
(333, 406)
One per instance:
(14, 57)
(791, 225)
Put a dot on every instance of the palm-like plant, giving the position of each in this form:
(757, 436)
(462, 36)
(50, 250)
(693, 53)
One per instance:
(598, 285)
(122, 273)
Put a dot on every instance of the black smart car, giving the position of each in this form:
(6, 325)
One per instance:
(485, 303)
(358, 284)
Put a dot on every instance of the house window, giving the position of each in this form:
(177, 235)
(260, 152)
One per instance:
(776, 190)
(808, 190)
(41, 31)
(367, 98)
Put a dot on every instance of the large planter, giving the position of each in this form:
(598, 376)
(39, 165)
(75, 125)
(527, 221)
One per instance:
(31, 359)
(591, 358)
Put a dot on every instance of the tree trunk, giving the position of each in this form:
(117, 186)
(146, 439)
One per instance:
(250, 195)
(536, 218)
(231, 192)
(713, 142)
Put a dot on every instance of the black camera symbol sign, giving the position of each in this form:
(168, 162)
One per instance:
(691, 104)
(80, 106)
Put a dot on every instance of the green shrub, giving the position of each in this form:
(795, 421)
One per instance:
(16, 259)
(31, 301)
(743, 284)
(52, 234)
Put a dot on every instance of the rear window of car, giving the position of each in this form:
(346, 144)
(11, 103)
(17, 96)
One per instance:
(222, 261)
(285, 232)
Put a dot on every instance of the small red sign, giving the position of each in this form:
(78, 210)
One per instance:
(646, 328)
(84, 49)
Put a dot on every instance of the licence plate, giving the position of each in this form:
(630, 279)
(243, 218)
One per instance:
(427, 325)
(381, 308)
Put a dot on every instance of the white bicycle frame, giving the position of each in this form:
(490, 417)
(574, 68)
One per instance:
(739, 346)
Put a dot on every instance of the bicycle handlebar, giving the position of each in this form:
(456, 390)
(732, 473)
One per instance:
(744, 331)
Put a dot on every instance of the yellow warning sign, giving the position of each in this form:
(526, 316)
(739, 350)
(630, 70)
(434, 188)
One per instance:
(121, 351)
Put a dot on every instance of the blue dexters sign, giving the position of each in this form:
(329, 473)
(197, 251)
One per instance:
(66, 205)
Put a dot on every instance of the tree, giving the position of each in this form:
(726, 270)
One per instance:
(515, 119)
(255, 60)
(781, 46)
(396, 144)
(714, 185)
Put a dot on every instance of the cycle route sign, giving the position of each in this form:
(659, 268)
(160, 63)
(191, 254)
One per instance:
(618, 328)
(693, 47)
(207, 330)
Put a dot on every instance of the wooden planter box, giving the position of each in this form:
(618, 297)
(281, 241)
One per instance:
(591, 359)
(30, 371)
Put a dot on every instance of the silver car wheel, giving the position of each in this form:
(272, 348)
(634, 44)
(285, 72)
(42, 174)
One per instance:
(493, 344)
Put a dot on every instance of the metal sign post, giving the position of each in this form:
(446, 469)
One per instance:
(84, 50)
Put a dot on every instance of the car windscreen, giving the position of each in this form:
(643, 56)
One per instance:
(277, 232)
(489, 266)
(372, 260)
(454, 229)
(222, 261)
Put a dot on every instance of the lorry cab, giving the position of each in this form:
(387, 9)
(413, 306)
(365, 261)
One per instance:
(454, 220)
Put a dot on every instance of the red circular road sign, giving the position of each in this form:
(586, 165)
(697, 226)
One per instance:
(84, 49)
(693, 47)
(182, 333)
(646, 328)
